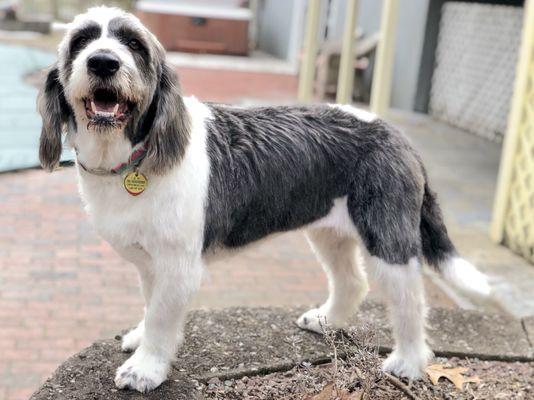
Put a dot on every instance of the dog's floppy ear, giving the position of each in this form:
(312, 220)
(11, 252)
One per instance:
(55, 113)
(170, 123)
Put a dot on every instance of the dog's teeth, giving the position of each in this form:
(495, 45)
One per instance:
(116, 108)
(93, 107)
(104, 114)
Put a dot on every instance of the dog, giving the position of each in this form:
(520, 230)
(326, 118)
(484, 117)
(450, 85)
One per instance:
(172, 183)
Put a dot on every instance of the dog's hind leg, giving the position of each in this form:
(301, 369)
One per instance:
(386, 213)
(402, 286)
(347, 281)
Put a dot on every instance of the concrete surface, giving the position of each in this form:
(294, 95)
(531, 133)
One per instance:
(528, 326)
(250, 341)
(256, 61)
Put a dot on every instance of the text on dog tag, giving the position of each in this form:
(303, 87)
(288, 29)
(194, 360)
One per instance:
(135, 183)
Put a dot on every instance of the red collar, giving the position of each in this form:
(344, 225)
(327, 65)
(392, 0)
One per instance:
(134, 161)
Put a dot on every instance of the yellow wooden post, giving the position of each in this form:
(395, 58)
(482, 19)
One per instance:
(513, 212)
(307, 64)
(382, 74)
(345, 82)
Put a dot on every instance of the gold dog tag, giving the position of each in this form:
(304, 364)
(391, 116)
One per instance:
(135, 183)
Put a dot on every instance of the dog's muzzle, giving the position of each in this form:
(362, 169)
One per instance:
(103, 64)
(107, 108)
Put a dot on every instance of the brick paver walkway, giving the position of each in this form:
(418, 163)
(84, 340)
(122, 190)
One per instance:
(236, 86)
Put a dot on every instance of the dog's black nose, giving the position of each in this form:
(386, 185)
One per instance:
(103, 64)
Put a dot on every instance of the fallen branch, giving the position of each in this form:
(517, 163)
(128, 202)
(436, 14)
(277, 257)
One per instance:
(397, 383)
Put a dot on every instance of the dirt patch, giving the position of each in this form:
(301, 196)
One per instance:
(356, 375)
(499, 380)
(89, 375)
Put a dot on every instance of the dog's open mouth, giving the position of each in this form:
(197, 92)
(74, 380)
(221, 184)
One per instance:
(106, 108)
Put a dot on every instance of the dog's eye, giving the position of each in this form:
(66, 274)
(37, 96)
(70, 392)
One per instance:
(80, 42)
(134, 44)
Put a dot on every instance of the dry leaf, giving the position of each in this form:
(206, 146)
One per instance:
(329, 393)
(355, 396)
(437, 371)
(324, 394)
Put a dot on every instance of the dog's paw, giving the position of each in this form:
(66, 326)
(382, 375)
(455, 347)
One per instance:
(318, 320)
(132, 340)
(408, 365)
(142, 372)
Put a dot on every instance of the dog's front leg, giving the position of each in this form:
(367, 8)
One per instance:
(176, 278)
(142, 260)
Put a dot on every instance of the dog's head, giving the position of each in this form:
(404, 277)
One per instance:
(111, 78)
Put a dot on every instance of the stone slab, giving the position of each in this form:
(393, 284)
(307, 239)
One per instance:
(528, 326)
(474, 334)
(248, 341)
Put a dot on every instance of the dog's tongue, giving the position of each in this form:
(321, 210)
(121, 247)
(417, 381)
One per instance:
(104, 107)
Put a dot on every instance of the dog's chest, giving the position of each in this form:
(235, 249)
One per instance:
(163, 213)
(117, 215)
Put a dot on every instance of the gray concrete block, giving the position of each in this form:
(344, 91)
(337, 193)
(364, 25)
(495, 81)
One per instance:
(248, 341)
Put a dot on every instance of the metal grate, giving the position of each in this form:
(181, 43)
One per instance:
(475, 66)
(513, 220)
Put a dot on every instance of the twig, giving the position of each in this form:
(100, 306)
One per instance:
(394, 381)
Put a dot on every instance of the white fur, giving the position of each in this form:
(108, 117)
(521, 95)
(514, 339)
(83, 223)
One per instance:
(128, 78)
(132, 339)
(363, 115)
(143, 371)
(161, 231)
(334, 240)
(99, 151)
(338, 219)
(402, 286)
(465, 276)
(347, 281)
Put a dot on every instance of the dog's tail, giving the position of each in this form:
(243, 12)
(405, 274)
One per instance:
(440, 252)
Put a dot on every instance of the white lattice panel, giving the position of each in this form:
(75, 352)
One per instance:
(519, 222)
(513, 219)
(475, 66)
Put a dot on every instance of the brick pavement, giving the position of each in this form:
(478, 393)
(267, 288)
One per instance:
(236, 86)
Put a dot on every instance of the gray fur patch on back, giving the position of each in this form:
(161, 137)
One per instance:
(275, 169)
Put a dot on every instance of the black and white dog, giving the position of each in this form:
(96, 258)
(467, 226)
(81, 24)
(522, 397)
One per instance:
(172, 183)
